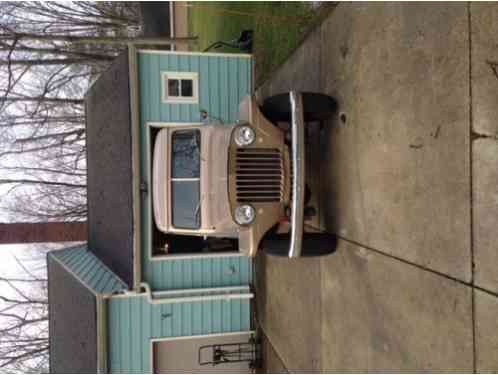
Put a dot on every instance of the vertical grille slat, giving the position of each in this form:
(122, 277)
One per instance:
(259, 175)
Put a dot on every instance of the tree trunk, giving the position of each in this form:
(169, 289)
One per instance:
(98, 39)
(17, 233)
(42, 99)
(33, 62)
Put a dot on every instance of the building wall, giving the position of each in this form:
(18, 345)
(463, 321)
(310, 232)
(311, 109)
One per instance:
(197, 273)
(133, 321)
(223, 81)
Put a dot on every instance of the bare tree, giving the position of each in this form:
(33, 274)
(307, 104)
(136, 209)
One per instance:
(49, 54)
(24, 340)
(46, 67)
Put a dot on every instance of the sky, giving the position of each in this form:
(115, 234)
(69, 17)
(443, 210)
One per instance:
(32, 259)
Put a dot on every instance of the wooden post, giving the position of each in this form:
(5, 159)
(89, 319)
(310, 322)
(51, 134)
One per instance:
(15, 233)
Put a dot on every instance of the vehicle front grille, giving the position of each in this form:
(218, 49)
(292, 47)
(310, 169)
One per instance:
(259, 175)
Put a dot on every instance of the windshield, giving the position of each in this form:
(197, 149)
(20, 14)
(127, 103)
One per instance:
(185, 179)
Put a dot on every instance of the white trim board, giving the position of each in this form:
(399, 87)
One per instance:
(222, 289)
(245, 294)
(153, 124)
(227, 254)
(252, 332)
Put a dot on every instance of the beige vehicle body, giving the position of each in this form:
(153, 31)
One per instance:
(258, 174)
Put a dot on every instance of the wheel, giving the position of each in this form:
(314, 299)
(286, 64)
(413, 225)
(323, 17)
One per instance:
(317, 107)
(314, 244)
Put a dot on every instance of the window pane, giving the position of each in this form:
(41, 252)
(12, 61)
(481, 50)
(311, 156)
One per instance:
(186, 154)
(186, 211)
(187, 88)
(173, 87)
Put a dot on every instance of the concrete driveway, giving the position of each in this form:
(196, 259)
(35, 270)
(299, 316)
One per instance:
(408, 175)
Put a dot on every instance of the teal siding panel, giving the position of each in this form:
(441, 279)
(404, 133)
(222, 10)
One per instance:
(126, 333)
(207, 318)
(223, 82)
(89, 270)
(245, 315)
(157, 277)
(177, 274)
(157, 320)
(172, 65)
(187, 317)
(234, 90)
(155, 86)
(194, 66)
(114, 349)
(199, 273)
(217, 276)
(93, 269)
(197, 309)
(217, 316)
(207, 271)
(96, 273)
(146, 332)
(177, 321)
(226, 321)
(81, 263)
(184, 66)
(244, 68)
(131, 326)
(102, 280)
(136, 335)
(166, 315)
(214, 85)
(226, 271)
(204, 102)
(235, 314)
(187, 274)
(169, 277)
(75, 260)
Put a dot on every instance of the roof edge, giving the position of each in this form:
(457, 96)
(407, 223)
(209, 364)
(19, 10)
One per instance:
(135, 166)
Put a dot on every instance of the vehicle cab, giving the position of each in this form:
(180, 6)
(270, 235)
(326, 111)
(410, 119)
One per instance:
(234, 181)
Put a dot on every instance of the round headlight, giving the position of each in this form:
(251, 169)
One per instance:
(244, 214)
(244, 135)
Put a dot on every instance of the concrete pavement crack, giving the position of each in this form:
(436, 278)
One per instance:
(267, 338)
(380, 252)
(471, 139)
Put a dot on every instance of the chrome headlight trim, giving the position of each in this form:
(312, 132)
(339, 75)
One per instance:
(244, 214)
(244, 135)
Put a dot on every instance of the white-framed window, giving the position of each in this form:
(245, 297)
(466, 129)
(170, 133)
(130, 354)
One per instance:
(180, 87)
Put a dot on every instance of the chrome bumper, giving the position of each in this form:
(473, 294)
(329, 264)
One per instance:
(298, 169)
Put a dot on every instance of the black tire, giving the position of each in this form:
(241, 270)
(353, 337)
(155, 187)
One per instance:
(314, 244)
(317, 107)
